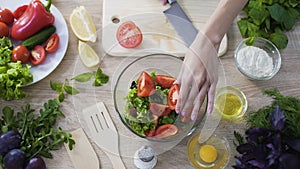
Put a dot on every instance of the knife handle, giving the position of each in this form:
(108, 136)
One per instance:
(171, 1)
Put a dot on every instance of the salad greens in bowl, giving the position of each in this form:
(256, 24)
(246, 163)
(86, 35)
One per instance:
(145, 98)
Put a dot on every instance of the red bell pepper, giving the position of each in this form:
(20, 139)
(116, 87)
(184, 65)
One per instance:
(35, 18)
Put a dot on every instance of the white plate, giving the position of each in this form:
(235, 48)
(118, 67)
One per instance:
(53, 59)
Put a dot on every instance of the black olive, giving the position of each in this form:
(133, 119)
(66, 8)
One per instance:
(36, 163)
(9, 140)
(133, 85)
(14, 159)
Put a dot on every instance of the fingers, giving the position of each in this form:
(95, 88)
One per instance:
(199, 101)
(188, 99)
(211, 97)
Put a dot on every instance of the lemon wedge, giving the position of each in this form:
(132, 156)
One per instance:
(82, 24)
(208, 153)
(87, 54)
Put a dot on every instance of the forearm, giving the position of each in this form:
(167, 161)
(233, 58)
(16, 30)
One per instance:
(221, 19)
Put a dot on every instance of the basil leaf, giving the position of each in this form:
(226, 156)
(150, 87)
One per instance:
(84, 77)
(100, 78)
(56, 86)
(279, 39)
(70, 90)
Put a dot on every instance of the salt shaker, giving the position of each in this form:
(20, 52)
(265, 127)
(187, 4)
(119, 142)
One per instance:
(145, 158)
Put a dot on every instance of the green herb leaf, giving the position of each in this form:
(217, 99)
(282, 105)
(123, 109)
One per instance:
(70, 90)
(84, 77)
(100, 78)
(279, 39)
(239, 138)
(56, 86)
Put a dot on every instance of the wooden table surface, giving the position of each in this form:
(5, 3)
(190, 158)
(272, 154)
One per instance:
(287, 81)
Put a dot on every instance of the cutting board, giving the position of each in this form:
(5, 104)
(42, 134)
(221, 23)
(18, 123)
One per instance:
(158, 34)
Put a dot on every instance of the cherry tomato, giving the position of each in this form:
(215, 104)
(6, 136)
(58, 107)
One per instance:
(19, 11)
(6, 16)
(52, 43)
(164, 81)
(20, 53)
(159, 109)
(4, 30)
(129, 35)
(173, 96)
(145, 86)
(38, 55)
(165, 131)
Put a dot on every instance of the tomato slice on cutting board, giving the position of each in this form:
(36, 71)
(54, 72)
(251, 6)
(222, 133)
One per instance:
(145, 86)
(165, 131)
(159, 109)
(173, 96)
(164, 81)
(129, 35)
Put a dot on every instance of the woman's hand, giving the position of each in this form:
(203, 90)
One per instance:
(198, 77)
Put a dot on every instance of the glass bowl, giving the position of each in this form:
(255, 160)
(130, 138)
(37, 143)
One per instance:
(200, 159)
(231, 102)
(252, 62)
(143, 123)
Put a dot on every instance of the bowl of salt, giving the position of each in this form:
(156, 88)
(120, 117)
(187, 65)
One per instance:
(260, 60)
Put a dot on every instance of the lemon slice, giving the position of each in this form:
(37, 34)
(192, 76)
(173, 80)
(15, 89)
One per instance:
(87, 54)
(82, 24)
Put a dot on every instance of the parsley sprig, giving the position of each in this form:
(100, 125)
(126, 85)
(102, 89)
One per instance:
(39, 135)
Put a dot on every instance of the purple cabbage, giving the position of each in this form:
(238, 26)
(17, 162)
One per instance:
(269, 148)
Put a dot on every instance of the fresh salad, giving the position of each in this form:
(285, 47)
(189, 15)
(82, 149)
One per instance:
(27, 35)
(150, 109)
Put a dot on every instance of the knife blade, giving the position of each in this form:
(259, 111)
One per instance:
(181, 22)
(185, 28)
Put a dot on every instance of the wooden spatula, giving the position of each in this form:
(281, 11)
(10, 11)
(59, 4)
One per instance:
(83, 155)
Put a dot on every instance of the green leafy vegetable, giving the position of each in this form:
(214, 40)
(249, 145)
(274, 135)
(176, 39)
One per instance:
(39, 135)
(99, 77)
(12, 75)
(288, 104)
(269, 19)
(61, 87)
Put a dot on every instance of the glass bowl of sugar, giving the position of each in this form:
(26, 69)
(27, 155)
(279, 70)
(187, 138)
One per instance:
(259, 61)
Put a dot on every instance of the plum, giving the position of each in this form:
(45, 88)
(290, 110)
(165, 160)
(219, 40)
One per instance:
(36, 163)
(9, 140)
(14, 159)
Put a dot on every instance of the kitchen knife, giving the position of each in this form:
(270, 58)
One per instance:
(181, 22)
(184, 26)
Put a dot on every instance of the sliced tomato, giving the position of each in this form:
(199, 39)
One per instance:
(164, 81)
(38, 55)
(150, 133)
(165, 131)
(19, 11)
(129, 35)
(6, 16)
(159, 109)
(145, 86)
(52, 43)
(173, 96)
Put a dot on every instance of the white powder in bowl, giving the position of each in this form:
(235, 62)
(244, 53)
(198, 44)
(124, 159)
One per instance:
(255, 61)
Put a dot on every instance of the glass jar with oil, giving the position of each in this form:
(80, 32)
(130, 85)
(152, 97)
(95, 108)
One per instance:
(214, 153)
(231, 102)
